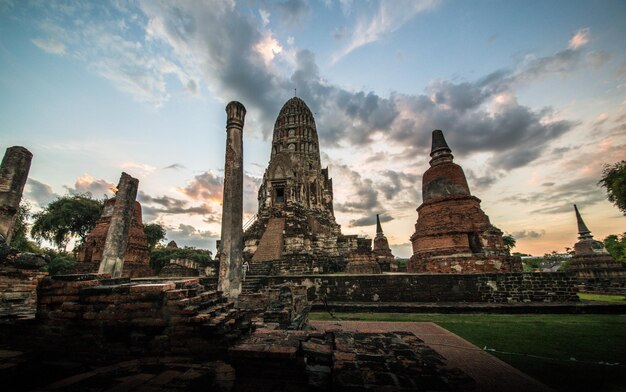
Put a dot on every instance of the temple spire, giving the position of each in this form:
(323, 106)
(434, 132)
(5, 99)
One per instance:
(440, 152)
(583, 231)
(379, 228)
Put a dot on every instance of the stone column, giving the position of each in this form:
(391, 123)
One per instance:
(13, 175)
(121, 219)
(231, 244)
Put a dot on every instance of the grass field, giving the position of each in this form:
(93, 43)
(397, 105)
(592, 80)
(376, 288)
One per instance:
(602, 297)
(573, 349)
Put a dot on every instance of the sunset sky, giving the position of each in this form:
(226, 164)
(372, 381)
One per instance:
(531, 96)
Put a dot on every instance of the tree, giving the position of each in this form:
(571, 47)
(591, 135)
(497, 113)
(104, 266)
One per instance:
(509, 241)
(66, 217)
(614, 180)
(161, 257)
(155, 233)
(19, 239)
(61, 263)
(616, 246)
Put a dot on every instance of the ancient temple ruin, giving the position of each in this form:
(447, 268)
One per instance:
(13, 175)
(136, 257)
(382, 251)
(137, 248)
(594, 267)
(452, 233)
(295, 229)
(231, 244)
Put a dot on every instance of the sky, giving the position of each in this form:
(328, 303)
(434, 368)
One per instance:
(531, 96)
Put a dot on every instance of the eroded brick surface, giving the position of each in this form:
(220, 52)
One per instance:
(452, 233)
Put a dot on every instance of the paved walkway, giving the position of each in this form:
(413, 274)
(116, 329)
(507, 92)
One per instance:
(489, 372)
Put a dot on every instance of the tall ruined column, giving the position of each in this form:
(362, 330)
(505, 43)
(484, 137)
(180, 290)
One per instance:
(231, 245)
(13, 175)
(117, 236)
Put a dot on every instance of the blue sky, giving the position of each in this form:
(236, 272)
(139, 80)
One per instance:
(531, 96)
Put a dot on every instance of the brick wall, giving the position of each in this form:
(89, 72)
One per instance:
(497, 287)
(18, 291)
(95, 317)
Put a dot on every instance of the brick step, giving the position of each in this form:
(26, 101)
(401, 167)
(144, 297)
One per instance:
(271, 244)
(250, 285)
(206, 315)
(221, 324)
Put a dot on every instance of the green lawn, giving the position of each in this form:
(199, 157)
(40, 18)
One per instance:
(587, 338)
(602, 297)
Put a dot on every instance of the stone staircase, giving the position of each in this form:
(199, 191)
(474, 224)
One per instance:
(271, 244)
(251, 284)
(209, 311)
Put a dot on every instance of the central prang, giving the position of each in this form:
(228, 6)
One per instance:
(295, 229)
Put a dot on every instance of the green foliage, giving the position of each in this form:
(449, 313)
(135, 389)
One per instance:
(531, 264)
(614, 181)
(155, 234)
(61, 263)
(402, 264)
(19, 239)
(616, 246)
(509, 241)
(160, 257)
(66, 217)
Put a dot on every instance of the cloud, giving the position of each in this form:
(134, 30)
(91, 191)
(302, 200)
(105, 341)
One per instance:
(397, 183)
(174, 166)
(165, 201)
(188, 235)
(203, 209)
(560, 198)
(206, 186)
(38, 192)
(251, 186)
(532, 234)
(137, 168)
(49, 45)
(481, 182)
(580, 38)
(390, 16)
(293, 12)
(361, 196)
(236, 57)
(96, 188)
(370, 220)
(265, 16)
(598, 58)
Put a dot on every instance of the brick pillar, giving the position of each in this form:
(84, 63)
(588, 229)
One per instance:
(117, 236)
(231, 244)
(13, 175)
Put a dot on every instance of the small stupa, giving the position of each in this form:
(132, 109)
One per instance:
(452, 233)
(594, 267)
(382, 251)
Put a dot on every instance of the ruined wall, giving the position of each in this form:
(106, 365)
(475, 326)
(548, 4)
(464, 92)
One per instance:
(495, 287)
(18, 291)
(92, 316)
(137, 248)
(131, 270)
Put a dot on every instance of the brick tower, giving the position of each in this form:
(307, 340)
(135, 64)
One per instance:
(594, 267)
(295, 229)
(384, 257)
(452, 233)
